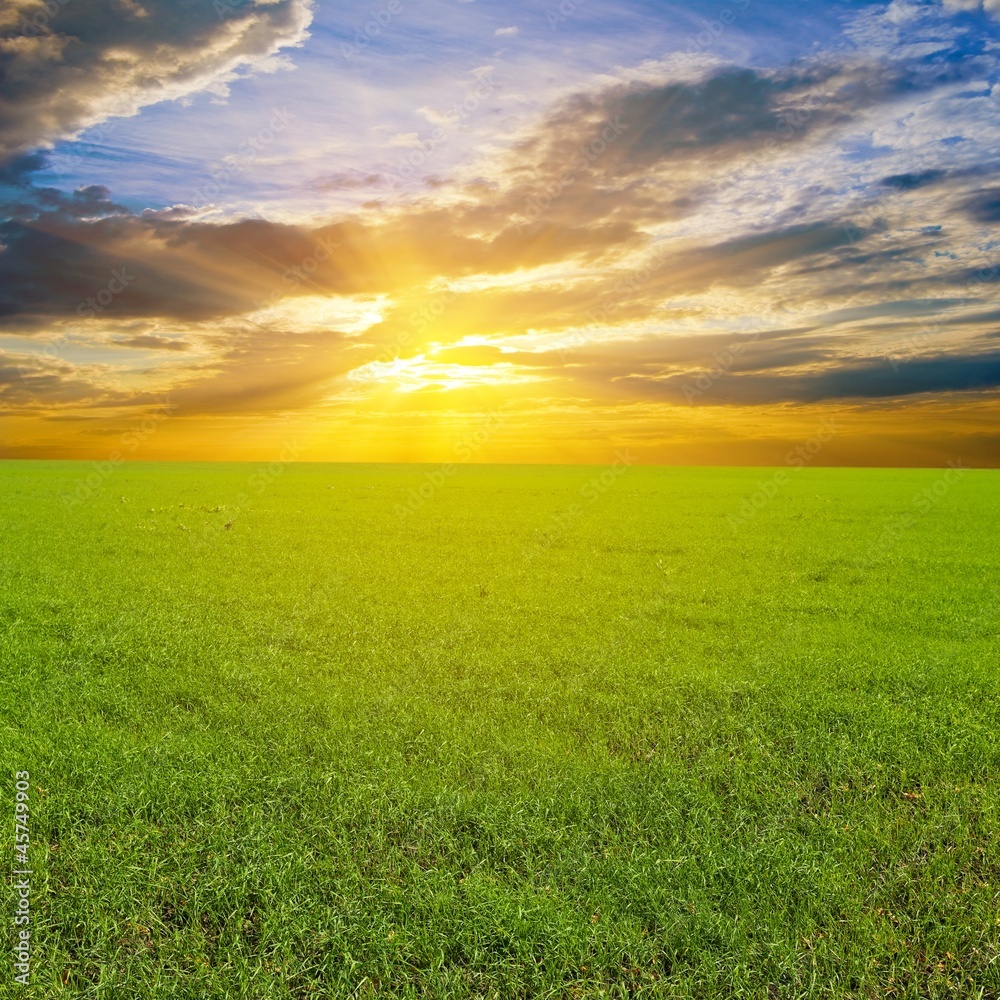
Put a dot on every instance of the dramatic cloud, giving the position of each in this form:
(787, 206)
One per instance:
(664, 244)
(74, 66)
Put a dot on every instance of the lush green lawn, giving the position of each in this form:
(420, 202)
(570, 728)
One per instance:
(534, 737)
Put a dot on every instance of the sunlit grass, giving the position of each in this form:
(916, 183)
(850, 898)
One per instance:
(535, 738)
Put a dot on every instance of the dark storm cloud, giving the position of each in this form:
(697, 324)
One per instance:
(728, 113)
(909, 182)
(55, 266)
(861, 379)
(87, 59)
(18, 171)
(915, 307)
(55, 263)
(984, 205)
(680, 120)
(781, 246)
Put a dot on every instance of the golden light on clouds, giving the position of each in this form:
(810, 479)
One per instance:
(697, 256)
(342, 313)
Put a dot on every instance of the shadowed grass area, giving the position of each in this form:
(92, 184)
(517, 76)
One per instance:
(536, 735)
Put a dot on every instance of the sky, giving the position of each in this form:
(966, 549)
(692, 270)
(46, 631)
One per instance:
(453, 230)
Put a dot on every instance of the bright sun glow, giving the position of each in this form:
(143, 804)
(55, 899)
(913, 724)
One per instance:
(412, 374)
(348, 314)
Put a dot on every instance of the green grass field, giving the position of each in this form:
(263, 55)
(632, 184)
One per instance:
(536, 735)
